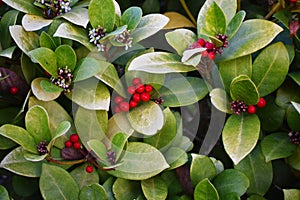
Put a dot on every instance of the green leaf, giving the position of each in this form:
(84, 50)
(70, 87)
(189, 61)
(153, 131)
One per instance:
(233, 68)
(147, 118)
(214, 22)
(56, 183)
(154, 188)
(131, 17)
(8, 19)
(119, 141)
(256, 197)
(102, 13)
(294, 160)
(119, 123)
(164, 137)
(93, 191)
(24, 6)
(108, 186)
(240, 135)
(37, 124)
(235, 23)
(88, 67)
(126, 189)
(295, 76)
(19, 136)
(78, 16)
(99, 149)
(34, 22)
(286, 94)
(3, 193)
(90, 94)
(205, 190)
(180, 39)
(253, 35)
(201, 168)
(42, 94)
(50, 87)
(83, 178)
(15, 162)
(159, 63)
(231, 181)
(220, 100)
(66, 56)
(28, 68)
(26, 41)
(75, 33)
(149, 25)
(277, 145)
(47, 41)
(242, 88)
(293, 117)
(270, 68)
(228, 8)
(96, 126)
(46, 58)
(291, 194)
(259, 172)
(140, 162)
(175, 157)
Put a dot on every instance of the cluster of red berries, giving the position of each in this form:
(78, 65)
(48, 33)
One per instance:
(138, 91)
(73, 142)
(212, 49)
(239, 106)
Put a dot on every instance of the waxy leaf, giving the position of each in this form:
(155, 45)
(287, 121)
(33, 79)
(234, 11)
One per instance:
(254, 34)
(78, 16)
(235, 23)
(270, 68)
(178, 20)
(47, 41)
(277, 145)
(93, 191)
(118, 143)
(155, 188)
(180, 39)
(3, 193)
(119, 123)
(295, 76)
(90, 124)
(99, 149)
(240, 135)
(66, 56)
(24, 6)
(243, 89)
(8, 19)
(46, 58)
(126, 189)
(37, 124)
(147, 118)
(220, 100)
(140, 162)
(291, 194)
(175, 157)
(16, 163)
(50, 87)
(149, 25)
(131, 17)
(83, 178)
(42, 94)
(259, 172)
(201, 168)
(34, 22)
(102, 13)
(90, 94)
(286, 94)
(56, 183)
(88, 67)
(231, 181)
(19, 136)
(159, 63)
(164, 137)
(8, 53)
(205, 190)
(26, 41)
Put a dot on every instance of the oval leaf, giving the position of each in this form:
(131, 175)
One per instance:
(220, 100)
(35, 22)
(240, 135)
(178, 20)
(65, 56)
(24, 6)
(131, 17)
(154, 188)
(235, 23)
(93, 191)
(83, 178)
(205, 190)
(78, 16)
(126, 189)
(40, 93)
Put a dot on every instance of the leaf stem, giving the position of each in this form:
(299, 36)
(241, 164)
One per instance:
(188, 12)
(274, 9)
(73, 162)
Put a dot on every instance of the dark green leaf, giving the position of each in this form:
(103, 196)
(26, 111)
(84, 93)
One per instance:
(3, 193)
(93, 191)
(155, 188)
(293, 117)
(65, 56)
(235, 23)
(88, 67)
(8, 19)
(83, 178)
(295, 76)
(50, 87)
(205, 190)
(28, 68)
(131, 17)
(47, 41)
(286, 94)
(126, 189)
(56, 183)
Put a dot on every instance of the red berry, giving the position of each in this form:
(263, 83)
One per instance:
(201, 42)
(261, 102)
(117, 109)
(204, 53)
(131, 90)
(140, 88)
(136, 81)
(211, 55)
(89, 169)
(13, 90)
(145, 96)
(74, 138)
(132, 103)
(77, 145)
(68, 143)
(136, 97)
(124, 106)
(209, 45)
(251, 109)
(118, 99)
(148, 88)
(293, 1)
